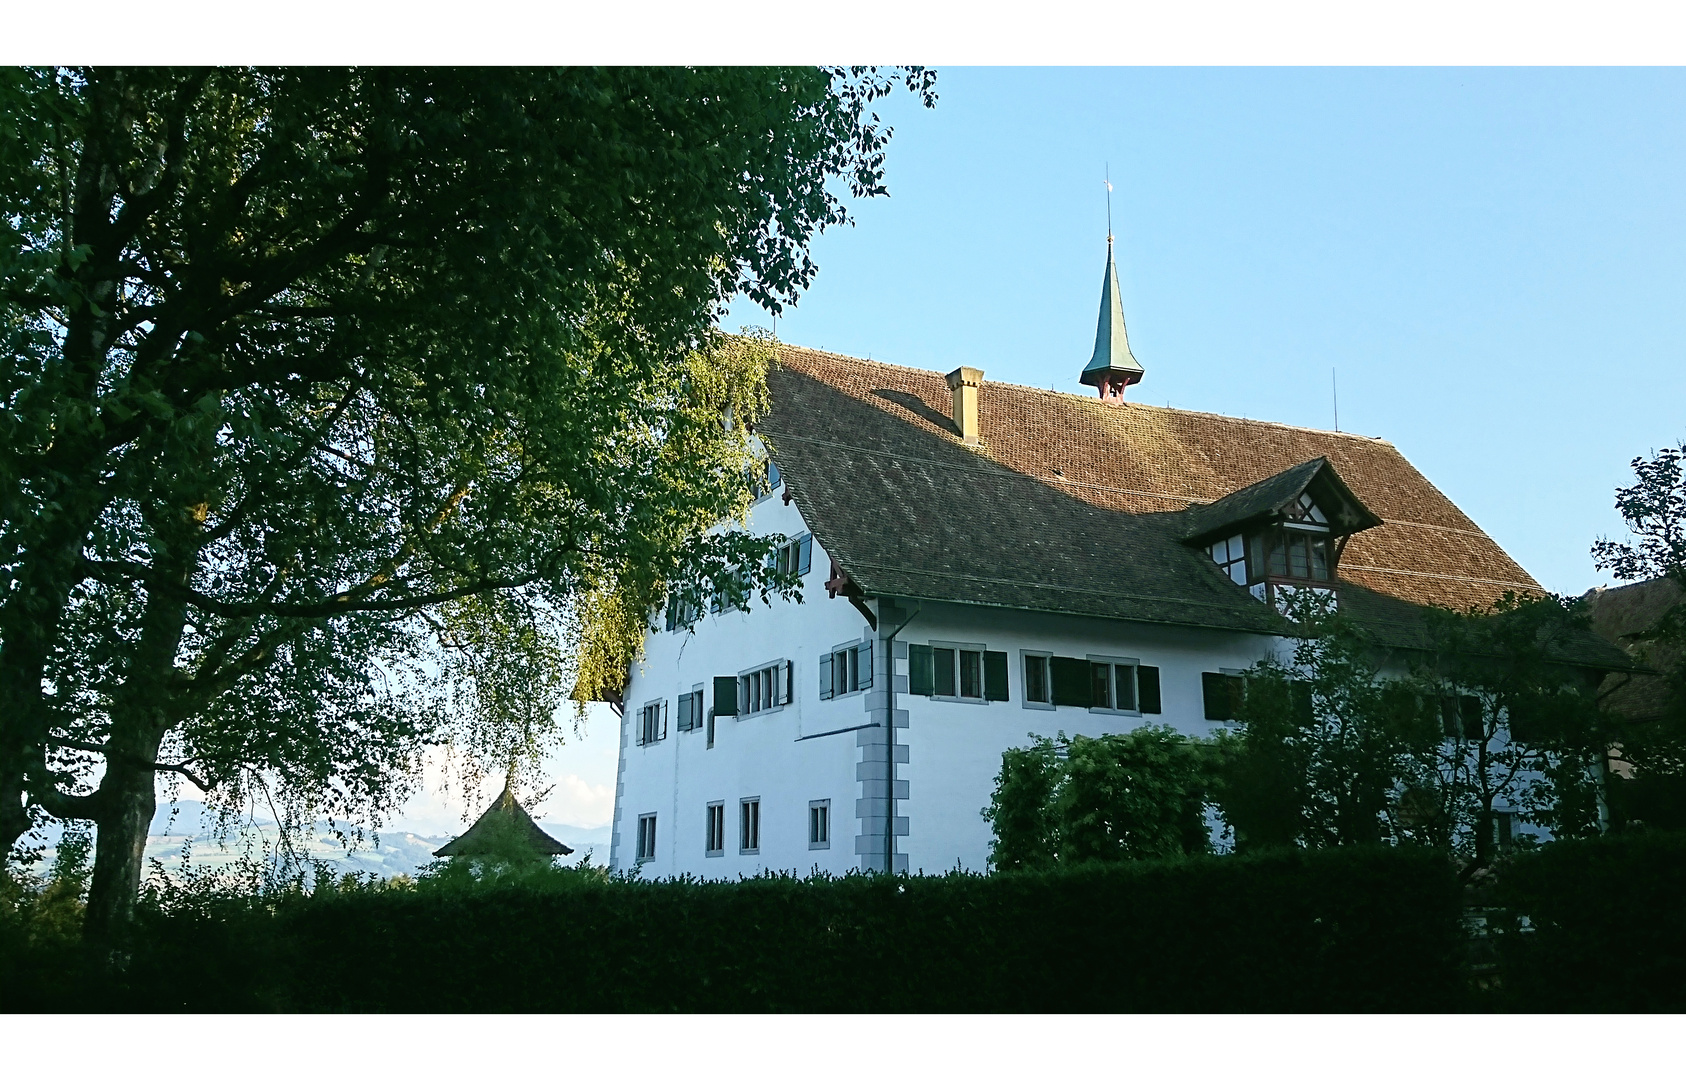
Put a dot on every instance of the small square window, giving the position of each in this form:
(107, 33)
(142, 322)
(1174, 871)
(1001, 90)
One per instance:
(819, 824)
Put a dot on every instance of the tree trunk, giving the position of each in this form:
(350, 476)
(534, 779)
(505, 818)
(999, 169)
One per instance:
(128, 801)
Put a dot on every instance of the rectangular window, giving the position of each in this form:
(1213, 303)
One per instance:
(819, 824)
(1222, 693)
(691, 711)
(749, 826)
(716, 842)
(957, 671)
(794, 556)
(1231, 557)
(971, 673)
(1460, 717)
(1036, 679)
(846, 669)
(646, 837)
(652, 723)
(1112, 682)
(767, 687)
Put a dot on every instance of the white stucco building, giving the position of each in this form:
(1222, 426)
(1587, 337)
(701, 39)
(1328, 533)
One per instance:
(981, 561)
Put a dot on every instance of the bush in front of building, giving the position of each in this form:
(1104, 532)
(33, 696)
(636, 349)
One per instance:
(1594, 925)
(1359, 929)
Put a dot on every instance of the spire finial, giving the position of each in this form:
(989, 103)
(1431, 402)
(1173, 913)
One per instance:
(1108, 183)
(1111, 369)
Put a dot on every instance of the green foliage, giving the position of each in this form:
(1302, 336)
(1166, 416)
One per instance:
(1603, 930)
(1021, 808)
(1349, 930)
(1654, 509)
(340, 405)
(1530, 731)
(1324, 746)
(1137, 795)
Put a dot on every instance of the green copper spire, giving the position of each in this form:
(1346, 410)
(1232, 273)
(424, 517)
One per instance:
(1112, 368)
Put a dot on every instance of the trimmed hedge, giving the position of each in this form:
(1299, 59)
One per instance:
(1371, 929)
(1607, 933)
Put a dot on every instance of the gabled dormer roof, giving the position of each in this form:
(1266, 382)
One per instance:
(1068, 505)
(1274, 499)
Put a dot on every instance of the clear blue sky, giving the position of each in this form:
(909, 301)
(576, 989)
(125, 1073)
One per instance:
(1492, 259)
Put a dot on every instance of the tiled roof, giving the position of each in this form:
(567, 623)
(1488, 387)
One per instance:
(1069, 505)
(1623, 615)
(1264, 499)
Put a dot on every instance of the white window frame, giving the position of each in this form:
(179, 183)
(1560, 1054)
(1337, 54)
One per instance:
(821, 808)
(1114, 663)
(714, 827)
(781, 677)
(652, 722)
(959, 647)
(1025, 657)
(749, 825)
(856, 672)
(646, 838)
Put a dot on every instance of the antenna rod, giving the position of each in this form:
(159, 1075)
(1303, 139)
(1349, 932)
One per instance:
(1335, 390)
(1108, 183)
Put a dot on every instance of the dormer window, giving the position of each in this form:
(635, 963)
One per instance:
(1284, 533)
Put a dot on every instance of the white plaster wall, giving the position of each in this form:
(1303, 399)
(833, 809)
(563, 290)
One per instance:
(955, 748)
(763, 755)
(807, 750)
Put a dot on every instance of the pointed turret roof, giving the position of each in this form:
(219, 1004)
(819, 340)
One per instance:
(503, 816)
(1112, 357)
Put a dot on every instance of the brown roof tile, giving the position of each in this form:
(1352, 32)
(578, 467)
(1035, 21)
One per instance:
(1070, 505)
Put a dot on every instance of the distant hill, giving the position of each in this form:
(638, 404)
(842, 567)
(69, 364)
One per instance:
(187, 823)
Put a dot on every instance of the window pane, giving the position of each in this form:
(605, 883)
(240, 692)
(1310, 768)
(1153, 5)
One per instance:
(1124, 686)
(943, 661)
(971, 674)
(1100, 696)
(1320, 559)
(1299, 563)
(1036, 678)
(1278, 557)
(854, 669)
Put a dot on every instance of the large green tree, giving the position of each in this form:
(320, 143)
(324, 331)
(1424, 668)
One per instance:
(319, 384)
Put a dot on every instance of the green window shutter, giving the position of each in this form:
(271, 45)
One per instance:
(1147, 688)
(805, 556)
(725, 695)
(995, 676)
(825, 677)
(1070, 677)
(919, 673)
(1222, 694)
(942, 666)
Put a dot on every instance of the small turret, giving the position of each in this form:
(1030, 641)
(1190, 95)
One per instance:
(1112, 368)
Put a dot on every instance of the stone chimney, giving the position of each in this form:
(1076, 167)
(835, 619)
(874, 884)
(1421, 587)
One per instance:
(964, 381)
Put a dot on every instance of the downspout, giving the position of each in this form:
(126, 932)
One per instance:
(887, 640)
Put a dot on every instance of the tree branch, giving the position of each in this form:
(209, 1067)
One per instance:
(105, 750)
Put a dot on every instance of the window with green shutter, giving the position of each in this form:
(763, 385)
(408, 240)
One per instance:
(1070, 677)
(1222, 693)
(995, 676)
(1147, 688)
(725, 695)
(920, 677)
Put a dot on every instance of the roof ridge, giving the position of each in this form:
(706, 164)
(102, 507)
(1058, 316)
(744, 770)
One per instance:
(1086, 398)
